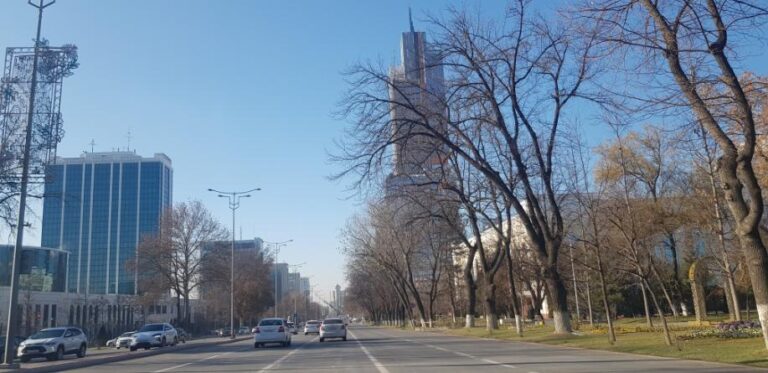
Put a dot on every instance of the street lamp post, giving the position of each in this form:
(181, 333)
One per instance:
(234, 203)
(10, 329)
(277, 246)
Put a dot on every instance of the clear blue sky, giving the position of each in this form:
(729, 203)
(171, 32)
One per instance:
(238, 93)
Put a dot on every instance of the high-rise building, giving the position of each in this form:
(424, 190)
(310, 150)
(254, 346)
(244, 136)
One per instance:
(280, 276)
(294, 282)
(98, 207)
(418, 111)
(418, 83)
(304, 287)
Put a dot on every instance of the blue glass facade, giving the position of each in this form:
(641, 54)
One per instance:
(97, 208)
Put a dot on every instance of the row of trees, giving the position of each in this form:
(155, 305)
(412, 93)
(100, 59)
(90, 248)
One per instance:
(534, 212)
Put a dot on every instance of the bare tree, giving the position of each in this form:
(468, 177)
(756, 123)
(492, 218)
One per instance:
(508, 88)
(695, 43)
(177, 253)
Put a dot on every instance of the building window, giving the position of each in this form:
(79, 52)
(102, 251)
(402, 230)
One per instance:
(53, 315)
(45, 316)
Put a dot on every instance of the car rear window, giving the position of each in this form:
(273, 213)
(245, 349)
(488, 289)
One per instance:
(333, 321)
(270, 322)
(313, 322)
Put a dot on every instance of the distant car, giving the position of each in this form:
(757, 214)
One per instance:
(183, 335)
(53, 344)
(292, 328)
(124, 340)
(243, 330)
(154, 335)
(111, 342)
(271, 330)
(333, 328)
(312, 327)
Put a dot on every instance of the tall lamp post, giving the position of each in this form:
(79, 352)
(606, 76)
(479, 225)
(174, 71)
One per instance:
(10, 329)
(276, 246)
(234, 203)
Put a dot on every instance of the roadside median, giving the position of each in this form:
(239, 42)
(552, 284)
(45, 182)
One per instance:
(105, 358)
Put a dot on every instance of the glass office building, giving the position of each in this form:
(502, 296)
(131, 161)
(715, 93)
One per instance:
(97, 207)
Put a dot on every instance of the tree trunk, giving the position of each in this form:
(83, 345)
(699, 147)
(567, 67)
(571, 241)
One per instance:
(559, 301)
(757, 262)
(471, 289)
(604, 290)
(664, 326)
(513, 295)
(646, 308)
(490, 304)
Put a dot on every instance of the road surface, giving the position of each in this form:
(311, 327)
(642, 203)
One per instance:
(389, 351)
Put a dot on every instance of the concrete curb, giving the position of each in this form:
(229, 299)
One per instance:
(86, 362)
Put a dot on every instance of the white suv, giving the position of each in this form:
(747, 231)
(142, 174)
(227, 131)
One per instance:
(154, 335)
(53, 344)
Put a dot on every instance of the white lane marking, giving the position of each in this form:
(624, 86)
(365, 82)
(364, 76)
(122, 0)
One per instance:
(187, 364)
(489, 361)
(372, 358)
(280, 360)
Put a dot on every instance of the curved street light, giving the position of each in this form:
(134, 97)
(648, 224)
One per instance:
(234, 203)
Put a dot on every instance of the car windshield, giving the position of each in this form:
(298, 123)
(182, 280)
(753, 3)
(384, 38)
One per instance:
(332, 321)
(151, 328)
(49, 333)
(271, 322)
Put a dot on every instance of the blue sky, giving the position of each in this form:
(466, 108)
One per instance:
(239, 94)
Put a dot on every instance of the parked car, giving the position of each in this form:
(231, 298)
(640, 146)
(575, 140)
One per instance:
(292, 328)
(271, 330)
(53, 344)
(16, 342)
(111, 342)
(312, 327)
(154, 335)
(124, 340)
(333, 328)
(183, 335)
(243, 330)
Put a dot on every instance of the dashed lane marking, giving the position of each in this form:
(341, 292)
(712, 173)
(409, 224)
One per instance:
(280, 360)
(188, 364)
(372, 358)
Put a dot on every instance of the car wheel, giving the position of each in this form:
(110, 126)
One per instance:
(132, 348)
(175, 341)
(81, 351)
(147, 348)
(344, 338)
(163, 343)
(25, 359)
(255, 345)
(322, 339)
(59, 353)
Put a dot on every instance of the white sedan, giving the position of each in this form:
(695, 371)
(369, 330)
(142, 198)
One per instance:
(271, 330)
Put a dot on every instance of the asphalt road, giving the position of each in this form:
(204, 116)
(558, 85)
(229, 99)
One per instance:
(385, 350)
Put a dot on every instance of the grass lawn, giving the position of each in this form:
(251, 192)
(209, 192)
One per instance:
(747, 351)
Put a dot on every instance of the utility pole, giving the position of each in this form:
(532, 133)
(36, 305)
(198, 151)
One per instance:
(10, 330)
(234, 203)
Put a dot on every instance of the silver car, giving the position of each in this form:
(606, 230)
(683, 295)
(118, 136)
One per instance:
(124, 340)
(312, 327)
(333, 328)
(53, 344)
(154, 335)
(271, 330)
